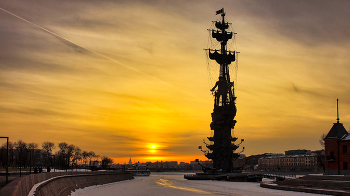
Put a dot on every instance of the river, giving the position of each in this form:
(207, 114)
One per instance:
(168, 183)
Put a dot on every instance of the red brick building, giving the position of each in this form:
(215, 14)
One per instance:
(337, 150)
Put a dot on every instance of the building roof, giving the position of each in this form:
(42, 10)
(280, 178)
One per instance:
(346, 137)
(337, 131)
(297, 152)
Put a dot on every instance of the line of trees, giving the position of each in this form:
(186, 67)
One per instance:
(68, 156)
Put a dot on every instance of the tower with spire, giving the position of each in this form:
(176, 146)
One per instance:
(338, 130)
(337, 149)
(222, 147)
(130, 162)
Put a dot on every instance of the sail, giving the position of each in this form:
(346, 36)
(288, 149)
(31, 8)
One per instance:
(219, 58)
(221, 26)
(211, 147)
(219, 36)
(210, 155)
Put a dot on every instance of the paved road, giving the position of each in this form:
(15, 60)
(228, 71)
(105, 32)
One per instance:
(175, 184)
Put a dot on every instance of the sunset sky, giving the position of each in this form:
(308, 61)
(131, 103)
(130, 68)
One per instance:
(129, 78)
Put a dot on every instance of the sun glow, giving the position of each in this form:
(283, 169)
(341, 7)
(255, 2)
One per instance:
(153, 148)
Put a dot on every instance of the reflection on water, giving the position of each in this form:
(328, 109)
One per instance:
(203, 187)
(166, 183)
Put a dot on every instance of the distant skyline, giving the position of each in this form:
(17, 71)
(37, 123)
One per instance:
(129, 78)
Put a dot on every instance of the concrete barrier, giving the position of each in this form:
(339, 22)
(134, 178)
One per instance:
(63, 184)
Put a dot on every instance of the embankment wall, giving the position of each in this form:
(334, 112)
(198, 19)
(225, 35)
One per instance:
(304, 189)
(63, 184)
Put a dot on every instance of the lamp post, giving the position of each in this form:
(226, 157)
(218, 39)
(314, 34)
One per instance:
(7, 159)
(30, 161)
(20, 162)
(67, 163)
(53, 162)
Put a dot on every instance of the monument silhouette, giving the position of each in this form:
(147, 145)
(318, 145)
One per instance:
(222, 147)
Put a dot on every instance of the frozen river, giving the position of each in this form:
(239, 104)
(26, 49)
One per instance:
(175, 184)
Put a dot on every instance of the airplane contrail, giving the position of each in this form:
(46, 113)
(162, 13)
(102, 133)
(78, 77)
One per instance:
(99, 54)
(48, 31)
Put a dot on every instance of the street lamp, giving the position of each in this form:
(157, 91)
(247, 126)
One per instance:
(53, 162)
(7, 160)
(67, 163)
(30, 161)
(20, 162)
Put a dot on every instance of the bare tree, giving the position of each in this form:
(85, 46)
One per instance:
(76, 156)
(321, 160)
(61, 154)
(84, 155)
(321, 154)
(321, 140)
(71, 148)
(10, 155)
(106, 161)
(67, 154)
(21, 148)
(47, 148)
(31, 147)
(91, 155)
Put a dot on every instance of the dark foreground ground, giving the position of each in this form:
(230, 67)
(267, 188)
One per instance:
(12, 176)
(319, 182)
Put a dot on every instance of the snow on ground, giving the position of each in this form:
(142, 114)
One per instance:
(32, 191)
(175, 184)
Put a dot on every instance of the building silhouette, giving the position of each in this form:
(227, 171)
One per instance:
(337, 152)
(222, 147)
(300, 162)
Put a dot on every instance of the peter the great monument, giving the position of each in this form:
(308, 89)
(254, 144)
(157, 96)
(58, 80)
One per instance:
(222, 147)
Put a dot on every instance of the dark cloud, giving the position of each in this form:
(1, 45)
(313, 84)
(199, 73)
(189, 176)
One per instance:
(74, 46)
(184, 142)
(148, 47)
(119, 142)
(295, 88)
(40, 96)
(34, 65)
(33, 112)
(310, 22)
(113, 136)
(311, 92)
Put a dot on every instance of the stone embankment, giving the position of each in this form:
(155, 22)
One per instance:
(60, 183)
(320, 184)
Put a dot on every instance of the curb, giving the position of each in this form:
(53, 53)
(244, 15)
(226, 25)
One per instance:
(64, 185)
(23, 186)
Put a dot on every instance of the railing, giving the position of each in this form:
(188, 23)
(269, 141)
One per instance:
(280, 176)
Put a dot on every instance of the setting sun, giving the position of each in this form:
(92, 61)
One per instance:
(153, 148)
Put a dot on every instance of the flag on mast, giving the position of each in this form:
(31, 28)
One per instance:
(220, 11)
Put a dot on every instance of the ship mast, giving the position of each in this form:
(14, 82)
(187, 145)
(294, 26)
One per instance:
(223, 147)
